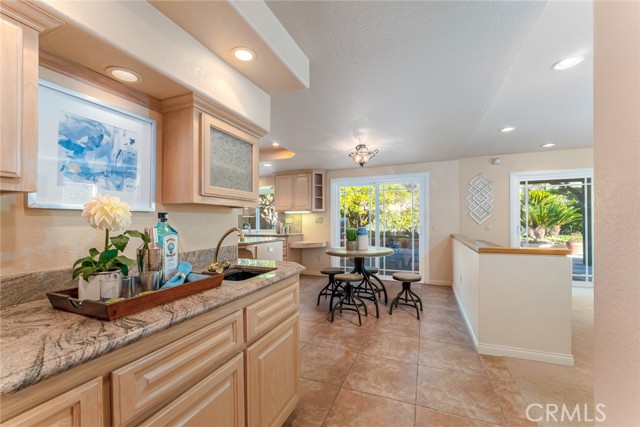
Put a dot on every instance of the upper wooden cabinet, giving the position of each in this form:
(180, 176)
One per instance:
(20, 23)
(300, 191)
(209, 154)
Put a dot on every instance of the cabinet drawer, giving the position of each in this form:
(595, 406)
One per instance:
(79, 407)
(218, 400)
(265, 314)
(160, 376)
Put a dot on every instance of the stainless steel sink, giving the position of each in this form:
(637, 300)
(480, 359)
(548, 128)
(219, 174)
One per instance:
(239, 273)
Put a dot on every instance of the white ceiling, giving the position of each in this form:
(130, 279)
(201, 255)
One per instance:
(430, 81)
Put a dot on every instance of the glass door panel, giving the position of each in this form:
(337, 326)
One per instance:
(390, 211)
(559, 213)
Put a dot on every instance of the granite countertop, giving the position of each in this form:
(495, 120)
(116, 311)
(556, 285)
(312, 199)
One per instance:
(249, 241)
(268, 233)
(39, 342)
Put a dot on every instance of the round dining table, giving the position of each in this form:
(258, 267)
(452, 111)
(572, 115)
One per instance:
(368, 286)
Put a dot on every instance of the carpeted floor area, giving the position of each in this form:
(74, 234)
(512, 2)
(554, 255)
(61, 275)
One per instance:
(545, 383)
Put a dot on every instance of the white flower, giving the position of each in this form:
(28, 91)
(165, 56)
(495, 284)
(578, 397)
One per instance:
(107, 213)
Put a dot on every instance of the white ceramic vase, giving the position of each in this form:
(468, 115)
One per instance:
(100, 285)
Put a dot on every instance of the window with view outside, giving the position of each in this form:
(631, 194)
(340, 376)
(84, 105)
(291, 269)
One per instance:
(390, 211)
(557, 213)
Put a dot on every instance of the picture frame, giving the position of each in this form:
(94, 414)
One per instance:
(88, 147)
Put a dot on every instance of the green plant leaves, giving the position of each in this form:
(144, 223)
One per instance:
(120, 242)
(108, 259)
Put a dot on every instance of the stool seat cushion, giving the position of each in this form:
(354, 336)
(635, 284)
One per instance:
(372, 270)
(407, 277)
(332, 270)
(349, 277)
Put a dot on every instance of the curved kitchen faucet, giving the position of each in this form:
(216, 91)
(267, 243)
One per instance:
(215, 266)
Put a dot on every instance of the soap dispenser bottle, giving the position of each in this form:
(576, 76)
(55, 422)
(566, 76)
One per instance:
(168, 238)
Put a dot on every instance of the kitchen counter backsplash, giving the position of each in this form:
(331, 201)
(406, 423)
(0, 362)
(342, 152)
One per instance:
(22, 288)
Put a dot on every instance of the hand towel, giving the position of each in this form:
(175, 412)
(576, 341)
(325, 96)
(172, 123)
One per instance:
(184, 268)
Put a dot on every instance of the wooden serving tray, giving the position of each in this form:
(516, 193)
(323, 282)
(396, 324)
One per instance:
(67, 299)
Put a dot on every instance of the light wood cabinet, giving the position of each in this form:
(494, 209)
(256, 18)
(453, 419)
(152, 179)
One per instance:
(273, 371)
(300, 191)
(271, 251)
(211, 370)
(159, 376)
(20, 23)
(210, 155)
(79, 407)
(268, 312)
(218, 400)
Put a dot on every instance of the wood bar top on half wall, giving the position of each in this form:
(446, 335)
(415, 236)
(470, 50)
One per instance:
(515, 301)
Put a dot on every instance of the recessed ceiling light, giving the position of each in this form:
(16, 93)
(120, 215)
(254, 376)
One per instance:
(508, 129)
(547, 145)
(244, 54)
(267, 165)
(275, 144)
(124, 74)
(567, 63)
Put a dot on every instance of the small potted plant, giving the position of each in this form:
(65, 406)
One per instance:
(352, 237)
(111, 215)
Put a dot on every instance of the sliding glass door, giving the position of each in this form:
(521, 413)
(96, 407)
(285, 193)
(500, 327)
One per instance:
(555, 209)
(392, 210)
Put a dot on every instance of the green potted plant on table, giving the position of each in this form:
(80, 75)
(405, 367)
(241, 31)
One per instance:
(105, 269)
(351, 235)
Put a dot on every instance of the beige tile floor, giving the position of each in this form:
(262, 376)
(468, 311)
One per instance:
(397, 370)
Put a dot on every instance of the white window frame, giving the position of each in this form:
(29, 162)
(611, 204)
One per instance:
(514, 193)
(423, 229)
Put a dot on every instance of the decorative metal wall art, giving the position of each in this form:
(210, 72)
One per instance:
(480, 198)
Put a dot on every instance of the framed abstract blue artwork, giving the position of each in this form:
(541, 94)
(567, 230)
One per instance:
(87, 147)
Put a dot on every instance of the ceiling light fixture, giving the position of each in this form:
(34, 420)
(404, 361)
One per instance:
(275, 144)
(267, 165)
(124, 74)
(567, 63)
(547, 145)
(508, 129)
(362, 154)
(244, 54)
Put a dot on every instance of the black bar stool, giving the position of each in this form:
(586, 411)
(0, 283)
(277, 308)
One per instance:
(349, 298)
(406, 293)
(371, 272)
(332, 287)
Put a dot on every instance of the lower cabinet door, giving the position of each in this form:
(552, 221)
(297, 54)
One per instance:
(218, 400)
(273, 369)
(81, 406)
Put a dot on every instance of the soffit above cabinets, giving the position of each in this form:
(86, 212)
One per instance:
(76, 46)
(279, 67)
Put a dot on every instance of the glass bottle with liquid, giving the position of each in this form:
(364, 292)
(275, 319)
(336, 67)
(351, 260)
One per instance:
(167, 237)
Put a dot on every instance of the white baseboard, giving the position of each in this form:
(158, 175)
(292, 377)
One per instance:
(521, 353)
(466, 320)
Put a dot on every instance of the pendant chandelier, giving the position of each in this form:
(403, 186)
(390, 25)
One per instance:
(362, 154)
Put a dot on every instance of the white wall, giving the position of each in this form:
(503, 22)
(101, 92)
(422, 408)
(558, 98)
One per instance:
(448, 185)
(46, 239)
(443, 215)
(496, 228)
(617, 210)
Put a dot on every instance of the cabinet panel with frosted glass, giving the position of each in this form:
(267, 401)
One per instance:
(210, 155)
